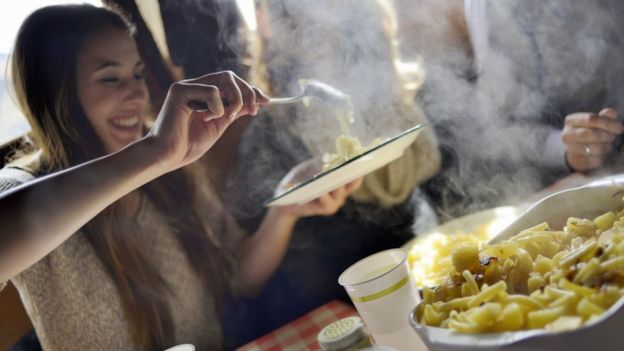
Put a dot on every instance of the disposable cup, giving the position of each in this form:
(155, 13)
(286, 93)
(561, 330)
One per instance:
(383, 293)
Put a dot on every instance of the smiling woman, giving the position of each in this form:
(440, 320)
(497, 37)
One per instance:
(91, 272)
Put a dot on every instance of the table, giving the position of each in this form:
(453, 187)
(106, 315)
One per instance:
(301, 333)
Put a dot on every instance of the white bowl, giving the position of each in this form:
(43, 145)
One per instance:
(603, 333)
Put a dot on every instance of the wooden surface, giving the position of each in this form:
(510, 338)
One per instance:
(14, 322)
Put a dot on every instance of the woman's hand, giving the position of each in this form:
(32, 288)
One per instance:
(181, 134)
(262, 252)
(588, 138)
(326, 205)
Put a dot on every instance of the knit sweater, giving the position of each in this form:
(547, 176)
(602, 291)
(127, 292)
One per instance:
(74, 304)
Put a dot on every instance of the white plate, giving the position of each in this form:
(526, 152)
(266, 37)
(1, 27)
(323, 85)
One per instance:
(323, 182)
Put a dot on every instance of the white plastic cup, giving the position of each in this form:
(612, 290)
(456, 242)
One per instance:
(384, 295)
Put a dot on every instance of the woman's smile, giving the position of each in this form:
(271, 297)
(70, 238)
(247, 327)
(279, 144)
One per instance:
(125, 122)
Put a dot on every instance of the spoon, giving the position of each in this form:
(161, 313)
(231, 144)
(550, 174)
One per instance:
(586, 201)
(309, 88)
(316, 89)
(340, 102)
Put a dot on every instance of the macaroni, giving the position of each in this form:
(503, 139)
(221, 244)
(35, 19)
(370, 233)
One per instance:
(430, 257)
(540, 278)
(347, 147)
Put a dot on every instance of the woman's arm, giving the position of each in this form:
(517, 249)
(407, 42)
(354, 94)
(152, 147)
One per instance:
(262, 252)
(39, 216)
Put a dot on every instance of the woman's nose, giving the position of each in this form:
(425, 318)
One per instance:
(137, 91)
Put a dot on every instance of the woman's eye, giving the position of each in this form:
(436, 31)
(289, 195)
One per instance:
(110, 80)
(139, 76)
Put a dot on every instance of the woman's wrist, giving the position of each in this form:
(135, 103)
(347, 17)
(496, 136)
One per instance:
(283, 214)
(153, 154)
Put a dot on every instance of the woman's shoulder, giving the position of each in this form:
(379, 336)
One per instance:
(11, 177)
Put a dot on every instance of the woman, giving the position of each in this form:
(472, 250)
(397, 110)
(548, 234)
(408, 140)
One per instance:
(353, 50)
(121, 248)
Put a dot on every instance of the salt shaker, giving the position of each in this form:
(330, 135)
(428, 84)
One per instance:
(347, 334)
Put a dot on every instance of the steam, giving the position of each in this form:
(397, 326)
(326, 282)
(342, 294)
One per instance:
(487, 113)
(494, 128)
(343, 44)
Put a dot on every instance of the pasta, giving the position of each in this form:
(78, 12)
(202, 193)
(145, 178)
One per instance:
(430, 257)
(347, 147)
(541, 278)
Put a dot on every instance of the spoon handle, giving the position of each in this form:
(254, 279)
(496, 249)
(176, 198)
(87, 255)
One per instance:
(284, 100)
(202, 106)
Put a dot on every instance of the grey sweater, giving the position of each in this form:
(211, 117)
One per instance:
(74, 304)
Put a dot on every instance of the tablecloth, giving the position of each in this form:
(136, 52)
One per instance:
(301, 333)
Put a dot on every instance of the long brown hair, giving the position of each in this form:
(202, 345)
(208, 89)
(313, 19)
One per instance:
(43, 72)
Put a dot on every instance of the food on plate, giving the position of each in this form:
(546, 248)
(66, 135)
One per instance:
(344, 112)
(347, 147)
(540, 278)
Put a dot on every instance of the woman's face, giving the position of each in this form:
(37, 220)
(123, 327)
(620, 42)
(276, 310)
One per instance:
(111, 87)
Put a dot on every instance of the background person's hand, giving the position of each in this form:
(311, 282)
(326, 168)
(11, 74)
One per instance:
(588, 138)
(181, 134)
(325, 205)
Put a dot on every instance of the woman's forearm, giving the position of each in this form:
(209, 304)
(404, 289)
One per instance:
(39, 216)
(263, 252)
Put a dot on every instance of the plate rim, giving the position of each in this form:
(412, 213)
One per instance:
(351, 160)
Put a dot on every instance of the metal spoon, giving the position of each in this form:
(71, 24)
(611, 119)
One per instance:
(309, 88)
(314, 88)
(340, 102)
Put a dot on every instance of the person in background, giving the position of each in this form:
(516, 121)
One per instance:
(561, 58)
(350, 46)
(541, 101)
(110, 230)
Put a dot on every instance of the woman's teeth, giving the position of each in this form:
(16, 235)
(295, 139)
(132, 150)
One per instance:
(125, 122)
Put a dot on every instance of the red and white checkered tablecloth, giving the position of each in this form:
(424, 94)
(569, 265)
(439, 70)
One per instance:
(301, 333)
